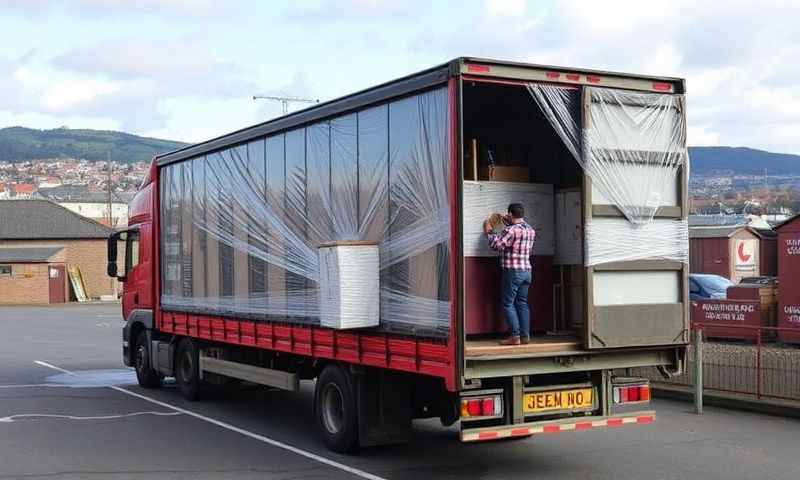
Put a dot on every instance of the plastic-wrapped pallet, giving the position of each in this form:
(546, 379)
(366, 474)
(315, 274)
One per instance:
(349, 282)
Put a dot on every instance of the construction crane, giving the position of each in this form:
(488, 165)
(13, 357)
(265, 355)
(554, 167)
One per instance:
(285, 100)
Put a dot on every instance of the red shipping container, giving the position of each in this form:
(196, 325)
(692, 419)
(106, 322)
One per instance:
(768, 251)
(789, 279)
(744, 313)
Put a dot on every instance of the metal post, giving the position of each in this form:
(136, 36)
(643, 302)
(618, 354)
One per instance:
(758, 365)
(697, 346)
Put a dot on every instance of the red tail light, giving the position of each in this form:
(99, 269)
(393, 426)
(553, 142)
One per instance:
(487, 406)
(482, 407)
(632, 393)
(644, 393)
(478, 68)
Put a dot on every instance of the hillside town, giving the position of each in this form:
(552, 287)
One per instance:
(773, 197)
(82, 186)
(79, 185)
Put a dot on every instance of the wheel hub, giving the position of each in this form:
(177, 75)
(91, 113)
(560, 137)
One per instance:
(332, 408)
(186, 368)
(140, 356)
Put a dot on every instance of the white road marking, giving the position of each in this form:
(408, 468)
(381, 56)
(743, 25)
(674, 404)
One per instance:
(261, 438)
(11, 418)
(46, 385)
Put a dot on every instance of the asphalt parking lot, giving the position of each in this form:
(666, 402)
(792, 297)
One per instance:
(69, 409)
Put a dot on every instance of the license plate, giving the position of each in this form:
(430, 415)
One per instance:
(579, 398)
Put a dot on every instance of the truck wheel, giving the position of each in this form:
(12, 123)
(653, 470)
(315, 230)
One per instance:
(335, 408)
(187, 370)
(145, 375)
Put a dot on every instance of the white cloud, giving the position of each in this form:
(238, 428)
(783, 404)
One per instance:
(700, 136)
(194, 77)
(506, 8)
(663, 59)
(113, 7)
(65, 95)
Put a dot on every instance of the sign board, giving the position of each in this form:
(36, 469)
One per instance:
(792, 246)
(728, 319)
(792, 313)
(745, 254)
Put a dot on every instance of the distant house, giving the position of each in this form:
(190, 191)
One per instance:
(49, 182)
(22, 191)
(4, 193)
(91, 204)
(34, 233)
(32, 275)
(731, 220)
(733, 252)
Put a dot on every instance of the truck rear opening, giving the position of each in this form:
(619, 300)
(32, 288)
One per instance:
(252, 250)
(604, 190)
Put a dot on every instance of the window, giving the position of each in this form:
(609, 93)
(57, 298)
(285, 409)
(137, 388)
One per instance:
(693, 286)
(5, 270)
(131, 250)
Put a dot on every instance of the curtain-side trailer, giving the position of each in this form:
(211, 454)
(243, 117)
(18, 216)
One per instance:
(343, 243)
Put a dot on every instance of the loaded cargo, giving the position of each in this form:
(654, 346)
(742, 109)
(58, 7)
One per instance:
(343, 243)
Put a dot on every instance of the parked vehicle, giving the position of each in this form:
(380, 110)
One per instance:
(704, 286)
(343, 244)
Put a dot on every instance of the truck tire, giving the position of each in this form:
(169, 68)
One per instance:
(145, 374)
(187, 370)
(335, 409)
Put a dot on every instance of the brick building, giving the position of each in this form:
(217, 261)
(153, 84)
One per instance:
(75, 241)
(32, 275)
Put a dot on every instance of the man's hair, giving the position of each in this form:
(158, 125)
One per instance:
(516, 210)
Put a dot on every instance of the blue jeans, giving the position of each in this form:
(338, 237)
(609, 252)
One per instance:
(514, 298)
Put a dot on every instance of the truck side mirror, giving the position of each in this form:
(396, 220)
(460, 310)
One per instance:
(111, 268)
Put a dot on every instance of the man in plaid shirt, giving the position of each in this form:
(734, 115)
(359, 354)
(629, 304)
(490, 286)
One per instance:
(514, 245)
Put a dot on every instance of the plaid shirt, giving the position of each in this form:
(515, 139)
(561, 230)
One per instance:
(514, 244)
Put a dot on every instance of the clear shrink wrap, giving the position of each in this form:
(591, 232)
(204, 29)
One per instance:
(633, 147)
(241, 227)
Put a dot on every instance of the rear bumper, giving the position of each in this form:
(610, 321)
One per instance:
(556, 426)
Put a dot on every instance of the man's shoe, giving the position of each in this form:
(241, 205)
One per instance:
(511, 341)
(525, 340)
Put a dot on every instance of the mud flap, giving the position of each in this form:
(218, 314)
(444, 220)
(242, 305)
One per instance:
(384, 408)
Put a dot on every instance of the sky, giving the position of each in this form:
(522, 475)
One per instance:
(188, 69)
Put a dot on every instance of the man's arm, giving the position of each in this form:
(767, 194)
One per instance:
(501, 242)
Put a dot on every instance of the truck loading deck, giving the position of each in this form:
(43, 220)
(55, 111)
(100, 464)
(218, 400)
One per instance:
(538, 346)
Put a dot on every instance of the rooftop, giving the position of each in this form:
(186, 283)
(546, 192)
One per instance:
(42, 219)
(715, 232)
(28, 254)
(79, 194)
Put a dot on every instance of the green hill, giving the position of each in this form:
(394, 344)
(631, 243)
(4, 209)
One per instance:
(742, 160)
(19, 144)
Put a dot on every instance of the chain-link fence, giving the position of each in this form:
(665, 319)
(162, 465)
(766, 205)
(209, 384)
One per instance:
(761, 366)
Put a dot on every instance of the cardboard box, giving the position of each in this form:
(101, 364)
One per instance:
(498, 173)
